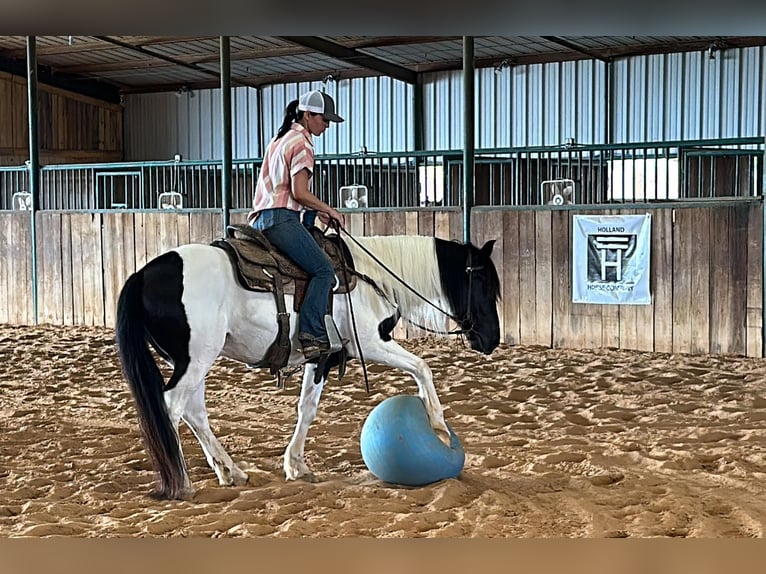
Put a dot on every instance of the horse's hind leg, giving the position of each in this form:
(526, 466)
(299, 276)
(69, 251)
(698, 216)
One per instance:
(195, 415)
(294, 464)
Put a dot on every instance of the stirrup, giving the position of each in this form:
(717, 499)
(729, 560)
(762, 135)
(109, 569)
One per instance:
(336, 344)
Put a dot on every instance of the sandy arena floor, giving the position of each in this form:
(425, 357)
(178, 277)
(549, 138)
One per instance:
(559, 443)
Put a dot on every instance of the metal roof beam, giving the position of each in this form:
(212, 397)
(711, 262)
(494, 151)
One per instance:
(153, 54)
(354, 57)
(575, 48)
(170, 59)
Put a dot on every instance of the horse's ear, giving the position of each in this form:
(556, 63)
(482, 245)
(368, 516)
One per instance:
(487, 249)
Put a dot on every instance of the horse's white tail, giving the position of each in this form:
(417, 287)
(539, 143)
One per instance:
(146, 385)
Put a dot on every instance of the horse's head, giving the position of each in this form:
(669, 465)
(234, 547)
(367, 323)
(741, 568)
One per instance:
(471, 283)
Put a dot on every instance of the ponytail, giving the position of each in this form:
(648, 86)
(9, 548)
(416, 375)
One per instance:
(292, 114)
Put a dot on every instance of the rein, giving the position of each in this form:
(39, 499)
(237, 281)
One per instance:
(469, 269)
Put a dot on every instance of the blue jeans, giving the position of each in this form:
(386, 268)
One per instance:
(283, 228)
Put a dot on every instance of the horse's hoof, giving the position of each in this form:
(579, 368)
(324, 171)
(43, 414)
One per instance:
(444, 436)
(241, 480)
(304, 475)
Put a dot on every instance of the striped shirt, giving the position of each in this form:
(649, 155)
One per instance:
(284, 158)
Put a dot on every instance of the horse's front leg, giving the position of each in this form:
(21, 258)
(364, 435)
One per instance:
(390, 353)
(294, 464)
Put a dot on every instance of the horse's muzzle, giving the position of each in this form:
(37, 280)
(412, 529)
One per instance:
(478, 343)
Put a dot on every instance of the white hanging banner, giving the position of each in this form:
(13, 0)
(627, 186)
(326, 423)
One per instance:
(610, 259)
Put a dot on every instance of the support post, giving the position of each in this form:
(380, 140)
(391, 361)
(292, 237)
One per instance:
(34, 160)
(225, 50)
(468, 135)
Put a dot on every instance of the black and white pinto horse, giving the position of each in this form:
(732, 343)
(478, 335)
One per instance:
(189, 306)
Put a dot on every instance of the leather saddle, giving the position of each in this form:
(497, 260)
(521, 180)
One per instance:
(262, 267)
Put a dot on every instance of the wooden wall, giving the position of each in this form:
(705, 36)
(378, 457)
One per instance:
(706, 270)
(706, 281)
(83, 259)
(72, 128)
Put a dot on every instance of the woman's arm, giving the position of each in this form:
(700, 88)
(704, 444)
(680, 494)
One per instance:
(302, 194)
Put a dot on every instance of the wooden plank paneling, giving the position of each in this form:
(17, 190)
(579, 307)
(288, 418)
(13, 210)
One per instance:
(728, 293)
(707, 277)
(561, 278)
(20, 300)
(682, 281)
(69, 124)
(510, 283)
(200, 227)
(661, 280)
(637, 321)
(168, 232)
(755, 284)
(442, 225)
(152, 234)
(7, 113)
(355, 223)
(411, 223)
(77, 222)
(92, 277)
(738, 233)
(67, 283)
(543, 287)
(426, 222)
(699, 268)
(379, 223)
(398, 223)
(119, 258)
(6, 262)
(184, 227)
(49, 267)
(139, 240)
(527, 278)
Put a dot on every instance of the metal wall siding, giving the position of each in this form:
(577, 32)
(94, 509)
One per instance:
(654, 98)
(654, 114)
(551, 111)
(673, 92)
(369, 115)
(153, 122)
(534, 133)
(711, 101)
(520, 117)
(568, 97)
(729, 90)
(691, 104)
(689, 96)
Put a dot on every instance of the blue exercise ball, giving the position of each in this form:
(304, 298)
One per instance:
(399, 446)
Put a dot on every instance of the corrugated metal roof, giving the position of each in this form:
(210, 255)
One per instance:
(134, 64)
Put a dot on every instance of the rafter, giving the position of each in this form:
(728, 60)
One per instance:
(354, 57)
(575, 48)
(171, 60)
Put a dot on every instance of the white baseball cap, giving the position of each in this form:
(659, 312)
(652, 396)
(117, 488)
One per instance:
(319, 103)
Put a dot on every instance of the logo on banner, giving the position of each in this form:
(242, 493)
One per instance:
(609, 254)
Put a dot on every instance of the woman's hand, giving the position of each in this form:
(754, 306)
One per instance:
(326, 216)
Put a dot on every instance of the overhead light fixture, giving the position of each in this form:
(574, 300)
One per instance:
(184, 90)
(506, 63)
(712, 49)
